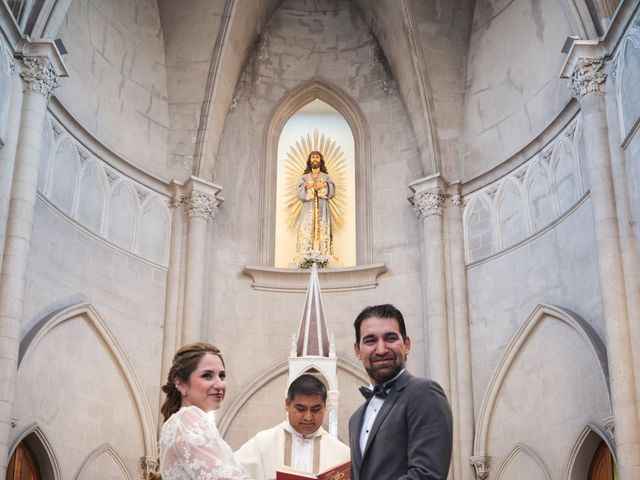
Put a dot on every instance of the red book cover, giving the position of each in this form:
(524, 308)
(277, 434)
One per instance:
(337, 472)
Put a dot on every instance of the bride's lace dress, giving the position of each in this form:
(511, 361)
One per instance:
(191, 448)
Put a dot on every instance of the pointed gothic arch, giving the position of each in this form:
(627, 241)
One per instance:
(89, 314)
(477, 250)
(321, 89)
(522, 449)
(510, 356)
(510, 186)
(583, 450)
(110, 452)
(39, 445)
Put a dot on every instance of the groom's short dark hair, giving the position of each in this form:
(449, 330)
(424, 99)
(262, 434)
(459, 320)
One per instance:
(307, 384)
(380, 311)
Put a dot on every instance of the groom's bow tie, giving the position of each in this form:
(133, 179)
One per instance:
(377, 391)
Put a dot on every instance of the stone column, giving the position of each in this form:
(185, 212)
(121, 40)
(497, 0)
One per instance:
(630, 260)
(428, 203)
(40, 79)
(587, 79)
(461, 343)
(8, 151)
(200, 200)
(175, 288)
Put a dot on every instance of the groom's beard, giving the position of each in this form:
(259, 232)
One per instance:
(384, 367)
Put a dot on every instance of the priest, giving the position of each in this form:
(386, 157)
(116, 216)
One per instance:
(300, 441)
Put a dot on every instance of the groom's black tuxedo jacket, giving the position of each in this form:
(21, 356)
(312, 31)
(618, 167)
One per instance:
(411, 437)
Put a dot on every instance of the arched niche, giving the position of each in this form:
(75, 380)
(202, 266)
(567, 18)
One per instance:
(316, 126)
(51, 135)
(510, 214)
(565, 170)
(478, 229)
(541, 203)
(122, 215)
(153, 231)
(334, 96)
(64, 177)
(92, 197)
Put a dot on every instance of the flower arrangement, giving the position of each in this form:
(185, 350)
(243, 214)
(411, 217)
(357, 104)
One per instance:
(308, 258)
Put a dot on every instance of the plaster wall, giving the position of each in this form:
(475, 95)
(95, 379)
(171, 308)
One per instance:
(190, 29)
(303, 41)
(632, 154)
(554, 388)
(513, 87)
(558, 267)
(444, 31)
(80, 402)
(628, 103)
(117, 87)
(68, 266)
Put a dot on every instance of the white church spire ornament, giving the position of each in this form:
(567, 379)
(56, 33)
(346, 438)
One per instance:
(313, 349)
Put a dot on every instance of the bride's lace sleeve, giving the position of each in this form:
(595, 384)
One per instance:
(191, 448)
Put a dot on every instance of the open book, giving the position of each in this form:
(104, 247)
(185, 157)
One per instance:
(337, 472)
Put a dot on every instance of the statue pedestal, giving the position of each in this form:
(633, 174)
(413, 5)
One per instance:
(296, 280)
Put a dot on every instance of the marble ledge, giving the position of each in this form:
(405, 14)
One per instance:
(296, 280)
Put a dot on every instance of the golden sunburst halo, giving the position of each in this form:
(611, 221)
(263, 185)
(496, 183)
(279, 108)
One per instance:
(296, 162)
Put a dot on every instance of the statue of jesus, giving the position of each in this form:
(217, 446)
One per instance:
(314, 188)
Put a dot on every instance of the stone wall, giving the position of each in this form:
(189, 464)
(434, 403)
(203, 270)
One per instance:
(513, 88)
(190, 30)
(117, 85)
(627, 69)
(91, 338)
(528, 200)
(444, 29)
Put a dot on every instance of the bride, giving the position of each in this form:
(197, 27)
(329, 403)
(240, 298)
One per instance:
(190, 445)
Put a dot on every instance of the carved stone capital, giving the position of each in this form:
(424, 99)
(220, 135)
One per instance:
(588, 77)
(150, 467)
(176, 200)
(429, 203)
(39, 75)
(481, 465)
(201, 205)
(610, 426)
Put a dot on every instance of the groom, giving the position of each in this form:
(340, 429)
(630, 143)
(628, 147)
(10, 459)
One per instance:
(404, 430)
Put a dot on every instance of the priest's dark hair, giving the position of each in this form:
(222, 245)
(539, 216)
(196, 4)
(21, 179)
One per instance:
(307, 384)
